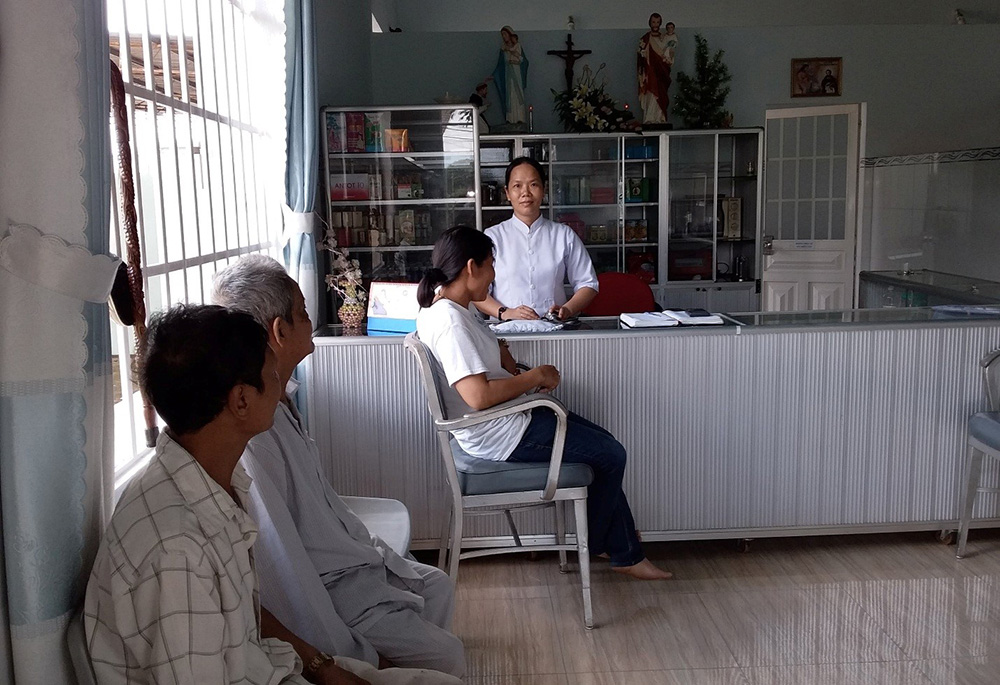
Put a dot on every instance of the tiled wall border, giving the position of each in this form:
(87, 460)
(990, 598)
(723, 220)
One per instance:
(978, 154)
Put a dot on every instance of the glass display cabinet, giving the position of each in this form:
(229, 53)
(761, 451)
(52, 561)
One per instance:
(714, 196)
(681, 210)
(923, 288)
(395, 178)
(605, 187)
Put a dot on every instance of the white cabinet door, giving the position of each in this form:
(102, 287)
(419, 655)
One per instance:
(810, 217)
(683, 298)
(731, 299)
(714, 298)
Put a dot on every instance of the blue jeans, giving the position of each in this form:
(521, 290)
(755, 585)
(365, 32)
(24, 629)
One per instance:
(609, 519)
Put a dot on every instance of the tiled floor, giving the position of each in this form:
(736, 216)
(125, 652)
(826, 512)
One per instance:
(852, 610)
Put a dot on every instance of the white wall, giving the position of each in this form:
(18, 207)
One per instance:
(457, 15)
(343, 51)
(927, 88)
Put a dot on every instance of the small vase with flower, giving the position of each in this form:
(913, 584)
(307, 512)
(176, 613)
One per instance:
(345, 279)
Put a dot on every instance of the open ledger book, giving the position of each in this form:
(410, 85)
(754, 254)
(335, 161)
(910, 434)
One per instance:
(670, 317)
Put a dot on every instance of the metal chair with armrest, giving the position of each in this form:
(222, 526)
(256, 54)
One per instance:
(481, 487)
(984, 441)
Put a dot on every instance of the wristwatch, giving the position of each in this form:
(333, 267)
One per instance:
(500, 312)
(312, 668)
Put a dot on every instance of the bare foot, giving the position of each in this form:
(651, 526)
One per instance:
(604, 555)
(644, 570)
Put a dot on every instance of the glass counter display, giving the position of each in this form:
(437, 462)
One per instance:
(923, 287)
(868, 316)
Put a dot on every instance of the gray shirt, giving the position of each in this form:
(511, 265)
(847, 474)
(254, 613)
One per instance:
(364, 577)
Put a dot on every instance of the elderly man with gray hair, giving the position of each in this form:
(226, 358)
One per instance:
(319, 566)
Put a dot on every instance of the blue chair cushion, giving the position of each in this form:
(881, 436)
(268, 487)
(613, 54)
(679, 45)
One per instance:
(484, 477)
(985, 427)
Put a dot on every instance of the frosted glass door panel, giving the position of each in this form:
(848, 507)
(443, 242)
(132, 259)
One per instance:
(807, 177)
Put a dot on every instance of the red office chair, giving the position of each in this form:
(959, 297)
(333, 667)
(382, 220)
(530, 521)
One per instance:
(621, 293)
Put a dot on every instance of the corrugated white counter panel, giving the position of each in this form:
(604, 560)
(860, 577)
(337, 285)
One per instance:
(832, 427)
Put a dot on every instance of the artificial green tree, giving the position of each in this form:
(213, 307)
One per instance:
(700, 101)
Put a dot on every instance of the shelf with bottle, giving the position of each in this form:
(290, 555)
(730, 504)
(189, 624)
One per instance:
(372, 228)
(387, 131)
(584, 162)
(388, 187)
(392, 248)
(419, 202)
(588, 205)
(691, 239)
(610, 233)
(409, 155)
(584, 189)
(618, 245)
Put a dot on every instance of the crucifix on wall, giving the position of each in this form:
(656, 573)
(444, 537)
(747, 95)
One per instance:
(570, 56)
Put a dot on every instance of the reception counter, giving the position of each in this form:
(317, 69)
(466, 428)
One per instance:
(773, 424)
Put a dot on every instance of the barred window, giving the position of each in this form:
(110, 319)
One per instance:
(205, 94)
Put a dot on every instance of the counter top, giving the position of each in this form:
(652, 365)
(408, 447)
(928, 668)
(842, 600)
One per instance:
(735, 324)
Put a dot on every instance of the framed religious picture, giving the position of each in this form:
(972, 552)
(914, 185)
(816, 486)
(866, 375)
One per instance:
(817, 77)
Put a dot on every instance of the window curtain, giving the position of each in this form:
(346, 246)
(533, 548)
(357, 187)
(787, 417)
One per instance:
(301, 224)
(300, 221)
(55, 348)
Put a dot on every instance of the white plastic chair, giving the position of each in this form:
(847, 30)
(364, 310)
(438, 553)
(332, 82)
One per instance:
(984, 441)
(389, 519)
(481, 487)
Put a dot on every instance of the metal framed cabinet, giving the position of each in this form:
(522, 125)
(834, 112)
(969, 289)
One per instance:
(681, 210)
(395, 178)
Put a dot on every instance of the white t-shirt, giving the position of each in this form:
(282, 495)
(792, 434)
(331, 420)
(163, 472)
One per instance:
(461, 346)
(533, 263)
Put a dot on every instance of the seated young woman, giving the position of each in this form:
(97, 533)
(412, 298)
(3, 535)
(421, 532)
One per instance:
(478, 376)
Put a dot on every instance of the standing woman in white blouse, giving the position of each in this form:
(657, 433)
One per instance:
(535, 256)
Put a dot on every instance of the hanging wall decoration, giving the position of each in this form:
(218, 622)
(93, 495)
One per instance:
(816, 77)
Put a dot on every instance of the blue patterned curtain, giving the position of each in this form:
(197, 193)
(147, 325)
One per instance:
(301, 173)
(303, 151)
(55, 357)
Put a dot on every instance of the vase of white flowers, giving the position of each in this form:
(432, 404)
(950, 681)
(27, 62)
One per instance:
(345, 279)
(588, 107)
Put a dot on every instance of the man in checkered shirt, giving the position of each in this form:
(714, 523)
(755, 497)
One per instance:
(173, 594)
